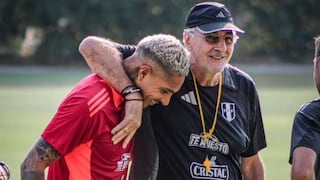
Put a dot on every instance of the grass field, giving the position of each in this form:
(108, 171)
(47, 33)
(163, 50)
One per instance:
(29, 97)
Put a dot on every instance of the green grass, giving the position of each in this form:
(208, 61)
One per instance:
(29, 97)
(281, 95)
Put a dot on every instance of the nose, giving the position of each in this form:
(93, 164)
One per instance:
(221, 45)
(165, 100)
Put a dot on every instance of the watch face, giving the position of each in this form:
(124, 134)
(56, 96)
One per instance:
(4, 171)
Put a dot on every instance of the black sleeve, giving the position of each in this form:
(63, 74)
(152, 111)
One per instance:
(146, 153)
(126, 50)
(306, 128)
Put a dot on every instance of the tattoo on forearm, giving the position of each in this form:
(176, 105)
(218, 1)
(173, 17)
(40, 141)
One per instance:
(39, 158)
(33, 175)
(46, 153)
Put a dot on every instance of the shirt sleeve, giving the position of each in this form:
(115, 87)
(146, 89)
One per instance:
(125, 50)
(306, 129)
(67, 128)
(145, 164)
(256, 127)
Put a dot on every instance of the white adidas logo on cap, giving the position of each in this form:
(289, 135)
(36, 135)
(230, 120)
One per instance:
(220, 15)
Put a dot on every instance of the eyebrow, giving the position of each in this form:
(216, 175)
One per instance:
(170, 90)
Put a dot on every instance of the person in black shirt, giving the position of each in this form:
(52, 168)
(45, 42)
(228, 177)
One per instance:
(212, 127)
(305, 138)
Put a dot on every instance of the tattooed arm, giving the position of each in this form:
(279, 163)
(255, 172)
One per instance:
(40, 157)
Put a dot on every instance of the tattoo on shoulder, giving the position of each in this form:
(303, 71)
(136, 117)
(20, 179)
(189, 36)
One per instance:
(46, 152)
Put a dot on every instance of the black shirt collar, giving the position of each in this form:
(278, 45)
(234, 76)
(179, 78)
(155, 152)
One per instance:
(227, 77)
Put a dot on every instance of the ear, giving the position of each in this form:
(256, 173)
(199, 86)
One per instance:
(186, 40)
(316, 62)
(144, 71)
(235, 40)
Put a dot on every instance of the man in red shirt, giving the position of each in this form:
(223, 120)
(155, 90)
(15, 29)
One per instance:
(77, 143)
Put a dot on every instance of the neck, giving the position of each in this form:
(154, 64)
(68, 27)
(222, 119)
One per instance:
(205, 78)
(131, 67)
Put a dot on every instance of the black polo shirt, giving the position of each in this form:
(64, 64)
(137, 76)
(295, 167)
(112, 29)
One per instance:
(306, 130)
(178, 132)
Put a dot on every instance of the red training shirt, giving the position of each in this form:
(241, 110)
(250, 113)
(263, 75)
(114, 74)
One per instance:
(81, 132)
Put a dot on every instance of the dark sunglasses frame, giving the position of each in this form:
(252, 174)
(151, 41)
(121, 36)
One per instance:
(215, 39)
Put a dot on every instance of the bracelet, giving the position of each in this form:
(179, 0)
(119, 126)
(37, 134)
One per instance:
(133, 99)
(129, 90)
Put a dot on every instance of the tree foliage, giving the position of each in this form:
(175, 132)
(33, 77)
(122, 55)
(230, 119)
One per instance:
(282, 29)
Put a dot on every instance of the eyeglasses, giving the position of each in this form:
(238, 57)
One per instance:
(215, 39)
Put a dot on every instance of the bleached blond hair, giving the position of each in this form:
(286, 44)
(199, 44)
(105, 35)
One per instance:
(167, 52)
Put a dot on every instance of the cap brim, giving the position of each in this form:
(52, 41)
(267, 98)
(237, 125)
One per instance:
(222, 26)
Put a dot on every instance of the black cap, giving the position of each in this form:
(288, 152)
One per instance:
(211, 17)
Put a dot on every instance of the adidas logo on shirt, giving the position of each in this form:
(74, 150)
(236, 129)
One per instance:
(220, 15)
(189, 98)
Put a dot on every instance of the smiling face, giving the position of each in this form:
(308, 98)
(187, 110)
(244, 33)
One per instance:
(210, 52)
(156, 87)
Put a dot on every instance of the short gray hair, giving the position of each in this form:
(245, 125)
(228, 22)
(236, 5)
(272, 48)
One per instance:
(166, 51)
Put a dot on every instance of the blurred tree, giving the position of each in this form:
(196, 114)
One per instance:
(281, 29)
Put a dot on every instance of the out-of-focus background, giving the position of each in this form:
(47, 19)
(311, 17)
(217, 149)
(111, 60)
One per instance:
(49, 32)
(40, 62)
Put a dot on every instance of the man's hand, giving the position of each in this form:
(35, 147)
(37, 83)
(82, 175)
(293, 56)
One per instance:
(130, 124)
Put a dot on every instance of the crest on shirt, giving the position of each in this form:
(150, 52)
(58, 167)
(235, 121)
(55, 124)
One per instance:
(228, 111)
(124, 161)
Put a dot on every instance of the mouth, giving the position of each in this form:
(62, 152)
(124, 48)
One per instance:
(153, 102)
(218, 57)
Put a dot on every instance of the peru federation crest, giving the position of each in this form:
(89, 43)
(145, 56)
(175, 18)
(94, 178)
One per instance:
(228, 111)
